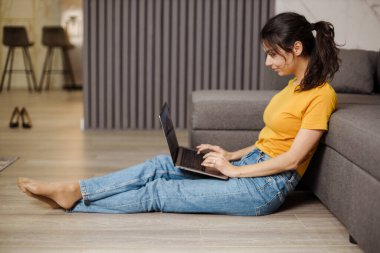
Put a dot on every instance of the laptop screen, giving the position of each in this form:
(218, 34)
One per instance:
(167, 126)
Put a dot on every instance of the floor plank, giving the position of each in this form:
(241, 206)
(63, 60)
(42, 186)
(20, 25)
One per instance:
(56, 149)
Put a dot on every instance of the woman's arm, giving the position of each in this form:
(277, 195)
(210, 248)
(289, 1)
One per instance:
(302, 147)
(230, 156)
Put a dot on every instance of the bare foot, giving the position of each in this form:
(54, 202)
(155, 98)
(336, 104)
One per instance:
(57, 195)
(48, 201)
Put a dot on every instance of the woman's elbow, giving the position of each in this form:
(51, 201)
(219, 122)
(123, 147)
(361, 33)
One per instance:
(293, 162)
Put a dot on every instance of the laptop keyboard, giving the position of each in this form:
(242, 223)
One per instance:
(191, 159)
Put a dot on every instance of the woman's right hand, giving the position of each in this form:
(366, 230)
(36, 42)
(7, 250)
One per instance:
(205, 148)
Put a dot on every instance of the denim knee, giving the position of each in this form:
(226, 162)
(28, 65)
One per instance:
(162, 160)
(161, 163)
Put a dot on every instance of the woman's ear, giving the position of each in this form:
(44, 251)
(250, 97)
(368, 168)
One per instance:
(297, 48)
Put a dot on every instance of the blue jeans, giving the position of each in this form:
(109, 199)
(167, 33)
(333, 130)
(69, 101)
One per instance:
(157, 185)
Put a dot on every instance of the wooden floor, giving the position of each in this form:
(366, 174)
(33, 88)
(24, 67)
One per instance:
(56, 149)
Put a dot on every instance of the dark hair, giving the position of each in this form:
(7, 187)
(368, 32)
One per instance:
(283, 30)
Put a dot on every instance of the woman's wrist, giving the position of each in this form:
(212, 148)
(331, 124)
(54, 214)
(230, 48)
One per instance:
(233, 171)
(231, 156)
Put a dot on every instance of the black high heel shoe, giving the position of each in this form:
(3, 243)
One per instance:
(26, 121)
(13, 123)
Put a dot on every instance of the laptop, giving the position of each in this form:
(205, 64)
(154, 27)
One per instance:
(184, 158)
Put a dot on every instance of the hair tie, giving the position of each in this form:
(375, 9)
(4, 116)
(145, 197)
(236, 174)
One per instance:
(312, 26)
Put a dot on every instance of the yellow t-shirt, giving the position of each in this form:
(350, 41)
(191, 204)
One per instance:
(288, 111)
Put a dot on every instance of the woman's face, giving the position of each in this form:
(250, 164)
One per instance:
(283, 63)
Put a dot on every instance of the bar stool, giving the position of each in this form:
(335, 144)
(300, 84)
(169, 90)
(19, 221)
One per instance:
(54, 37)
(13, 37)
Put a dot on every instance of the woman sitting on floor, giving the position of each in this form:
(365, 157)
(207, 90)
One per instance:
(260, 176)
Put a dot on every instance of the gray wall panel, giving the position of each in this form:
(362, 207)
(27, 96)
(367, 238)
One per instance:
(157, 6)
(140, 53)
(125, 64)
(173, 64)
(86, 67)
(110, 67)
(149, 96)
(94, 46)
(190, 56)
(256, 47)
(238, 81)
(198, 34)
(214, 44)
(182, 68)
(206, 65)
(165, 47)
(247, 45)
(117, 61)
(222, 53)
(102, 57)
(231, 40)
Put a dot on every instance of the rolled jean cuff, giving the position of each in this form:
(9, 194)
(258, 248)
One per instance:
(84, 192)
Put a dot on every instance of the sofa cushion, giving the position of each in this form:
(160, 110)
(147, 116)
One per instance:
(358, 99)
(357, 72)
(229, 110)
(355, 134)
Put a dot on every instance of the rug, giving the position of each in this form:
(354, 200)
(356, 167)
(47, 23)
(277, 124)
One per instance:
(6, 161)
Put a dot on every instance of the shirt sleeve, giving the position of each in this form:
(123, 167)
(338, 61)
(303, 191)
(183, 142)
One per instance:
(318, 112)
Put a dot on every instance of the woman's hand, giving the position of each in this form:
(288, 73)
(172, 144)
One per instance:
(216, 160)
(216, 149)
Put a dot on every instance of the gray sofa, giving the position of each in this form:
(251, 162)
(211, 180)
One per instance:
(345, 171)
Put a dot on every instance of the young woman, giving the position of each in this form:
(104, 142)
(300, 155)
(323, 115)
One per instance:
(262, 175)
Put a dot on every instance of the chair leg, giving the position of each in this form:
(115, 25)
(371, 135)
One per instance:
(49, 70)
(27, 70)
(65, 71)
(5, 69)
(48, 54)
(11, 69)
(35, 87)
(68, 67)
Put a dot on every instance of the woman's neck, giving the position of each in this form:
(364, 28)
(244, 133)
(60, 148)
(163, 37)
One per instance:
(300, 69)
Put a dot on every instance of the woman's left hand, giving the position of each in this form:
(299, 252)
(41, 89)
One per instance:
(217, 161)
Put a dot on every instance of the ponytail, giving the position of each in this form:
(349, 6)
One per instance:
(324, 61)
(284, 29)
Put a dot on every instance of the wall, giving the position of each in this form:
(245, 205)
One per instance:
(73, 9)
(140, 53)
(356, 22)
